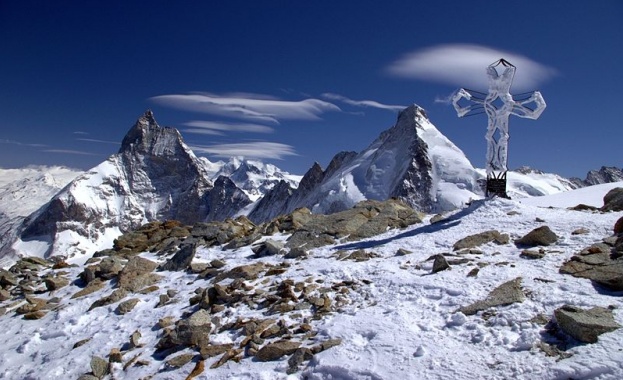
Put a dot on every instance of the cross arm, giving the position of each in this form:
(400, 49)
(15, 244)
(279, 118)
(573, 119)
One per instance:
(521, 108)
(475, 100)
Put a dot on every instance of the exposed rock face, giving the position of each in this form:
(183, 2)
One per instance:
(366, 219)
(606, 174)
(585, 325)
(411, 161)
(602, 263)
(154, 176)
(613, 200)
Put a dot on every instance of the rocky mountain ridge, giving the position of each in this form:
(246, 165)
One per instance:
(155, 176)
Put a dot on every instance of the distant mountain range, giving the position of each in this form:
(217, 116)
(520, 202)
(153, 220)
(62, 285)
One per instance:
(155, 176)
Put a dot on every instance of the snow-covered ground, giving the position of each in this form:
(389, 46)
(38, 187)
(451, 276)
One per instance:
(399, 322)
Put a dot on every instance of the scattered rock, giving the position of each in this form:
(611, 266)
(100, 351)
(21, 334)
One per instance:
(508, 293)
(115, 296)
(4, 295)
(473, 272)
(33, 315)
(269, 248)
(580, 231)
(209, 351)
(91, 287)
(198, 370)
(115, 356)
(539, 236)
(403, 252)
(528, 254)
(195, 330)
(437, 218)
(55, 283)
(181, 260)
(99, 367)
(81, 343)
(585, 325)
(618, 226)
(127, 306)
(179, 361)
(301, 355)
(440, 264)
(476, 240)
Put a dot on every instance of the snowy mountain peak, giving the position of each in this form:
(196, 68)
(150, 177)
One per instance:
(155, 176)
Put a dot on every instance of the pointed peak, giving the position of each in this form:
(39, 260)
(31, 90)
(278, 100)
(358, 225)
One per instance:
(148, 137)
(149, 116)
(414, 110)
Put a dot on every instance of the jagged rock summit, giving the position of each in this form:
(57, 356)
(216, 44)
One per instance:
(412, 161)
(154, 176)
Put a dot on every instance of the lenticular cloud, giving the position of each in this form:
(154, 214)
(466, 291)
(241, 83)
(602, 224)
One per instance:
(245, 107)
(464, 65)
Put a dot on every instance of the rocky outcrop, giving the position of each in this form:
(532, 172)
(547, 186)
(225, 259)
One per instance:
(606, 174)
(585, 325)
(613, 200)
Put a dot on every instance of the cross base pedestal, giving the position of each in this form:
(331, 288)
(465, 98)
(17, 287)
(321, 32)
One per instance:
(496, 186)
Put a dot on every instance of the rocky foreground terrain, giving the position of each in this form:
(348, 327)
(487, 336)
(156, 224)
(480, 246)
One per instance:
(499, 289)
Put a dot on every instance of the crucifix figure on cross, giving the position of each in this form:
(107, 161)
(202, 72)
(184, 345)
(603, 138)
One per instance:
(498, 103)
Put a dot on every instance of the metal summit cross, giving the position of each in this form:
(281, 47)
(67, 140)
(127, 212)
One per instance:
(498, 104)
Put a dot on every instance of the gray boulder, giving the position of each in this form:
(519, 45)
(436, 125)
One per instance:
(539, 236)
(181, 260)
(195, 330)
(137, 274)
(585, 325)
(269, 248)
(440, 263)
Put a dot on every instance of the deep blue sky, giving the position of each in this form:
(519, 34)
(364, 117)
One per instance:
(75, 75)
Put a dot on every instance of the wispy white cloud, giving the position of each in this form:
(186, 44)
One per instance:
(13, 142)
(258, 149)
(464, 65)
(445, 99)
(247, 106)
(99, 141)
(80, 133)
(69, 151)
(217, 128)
(362, 103)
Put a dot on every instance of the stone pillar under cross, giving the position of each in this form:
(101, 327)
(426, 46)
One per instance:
(498, 103)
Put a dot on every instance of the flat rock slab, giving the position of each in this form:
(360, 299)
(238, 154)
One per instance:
(275, 351)
(585, 325)
(479, 239)
(508, 293)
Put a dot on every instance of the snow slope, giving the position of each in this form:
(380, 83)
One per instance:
(400, 322)
(23, 191)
